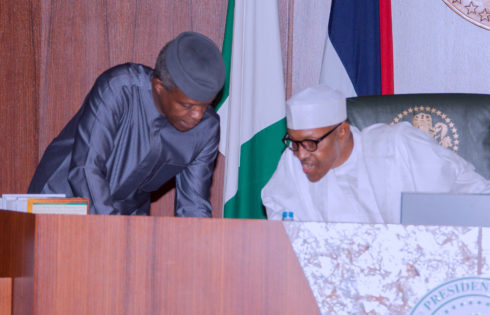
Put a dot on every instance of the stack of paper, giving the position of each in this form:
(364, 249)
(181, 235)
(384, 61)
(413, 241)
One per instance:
(44, 203)
(18, 202)
(57, 205)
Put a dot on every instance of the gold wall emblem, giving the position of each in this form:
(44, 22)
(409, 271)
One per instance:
(432, 121)
(475, 11)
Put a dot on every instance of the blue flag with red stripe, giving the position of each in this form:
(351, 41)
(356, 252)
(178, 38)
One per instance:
(353, 29)
(360, 33)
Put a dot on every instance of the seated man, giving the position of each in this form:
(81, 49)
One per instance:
(139, 127)
(333, 172)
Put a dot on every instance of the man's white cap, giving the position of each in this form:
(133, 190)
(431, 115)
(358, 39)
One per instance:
(316, 107)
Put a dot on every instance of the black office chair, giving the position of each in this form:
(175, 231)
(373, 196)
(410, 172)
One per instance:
(459, 122)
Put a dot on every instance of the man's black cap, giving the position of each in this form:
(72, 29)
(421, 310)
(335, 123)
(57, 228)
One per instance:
(195, 65)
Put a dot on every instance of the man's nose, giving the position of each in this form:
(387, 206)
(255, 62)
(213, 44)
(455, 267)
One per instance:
(302, 152)
(198, 112)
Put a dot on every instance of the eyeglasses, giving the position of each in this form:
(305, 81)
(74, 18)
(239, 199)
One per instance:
(309, 145)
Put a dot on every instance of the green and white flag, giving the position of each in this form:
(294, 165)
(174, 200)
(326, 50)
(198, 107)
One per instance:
(253, 109)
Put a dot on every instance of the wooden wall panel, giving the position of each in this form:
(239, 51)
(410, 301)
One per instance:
(81, 39)
(18, 94)
(156, 23)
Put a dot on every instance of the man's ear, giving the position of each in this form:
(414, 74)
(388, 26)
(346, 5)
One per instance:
(157, 86)
(344, 130)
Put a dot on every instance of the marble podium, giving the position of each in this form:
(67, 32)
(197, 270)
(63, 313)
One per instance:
(394, 269)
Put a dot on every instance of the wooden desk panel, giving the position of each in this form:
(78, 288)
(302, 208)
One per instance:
(16, 244)
(5, 295)
(17, 241)
(163, 265)
(127, 265)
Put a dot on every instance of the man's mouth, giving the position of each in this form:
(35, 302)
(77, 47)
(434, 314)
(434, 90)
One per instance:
(188, 125)
(307, 167)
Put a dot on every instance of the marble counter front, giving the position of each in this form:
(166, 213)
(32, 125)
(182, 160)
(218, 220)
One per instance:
(389, 269)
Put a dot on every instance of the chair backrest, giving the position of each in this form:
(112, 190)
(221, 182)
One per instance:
(459, 122)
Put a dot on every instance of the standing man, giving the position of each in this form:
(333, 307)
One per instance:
(140, 127)
(333, 172)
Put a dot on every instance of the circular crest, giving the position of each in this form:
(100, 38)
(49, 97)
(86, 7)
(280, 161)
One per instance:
(432, 121)
(475, 11)
(460, 296)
